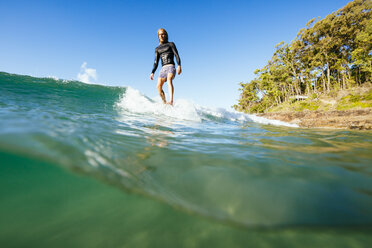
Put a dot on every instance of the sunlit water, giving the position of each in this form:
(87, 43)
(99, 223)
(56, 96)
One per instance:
(70, 153)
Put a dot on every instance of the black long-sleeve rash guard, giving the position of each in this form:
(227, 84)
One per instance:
(166, 52)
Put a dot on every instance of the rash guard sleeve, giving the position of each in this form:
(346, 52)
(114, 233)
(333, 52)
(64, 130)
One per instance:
(156, 62)
(174, 49)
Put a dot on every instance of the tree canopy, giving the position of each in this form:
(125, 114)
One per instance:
(332, 53)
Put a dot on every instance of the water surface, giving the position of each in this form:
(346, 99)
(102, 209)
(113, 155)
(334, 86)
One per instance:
(89, 165)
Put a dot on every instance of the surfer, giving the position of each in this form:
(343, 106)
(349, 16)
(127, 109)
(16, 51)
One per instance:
(166, 51)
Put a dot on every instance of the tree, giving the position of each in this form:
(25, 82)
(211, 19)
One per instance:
(327, 54)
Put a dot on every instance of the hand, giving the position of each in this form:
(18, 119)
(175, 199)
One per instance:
(152, 76)
(179, 70)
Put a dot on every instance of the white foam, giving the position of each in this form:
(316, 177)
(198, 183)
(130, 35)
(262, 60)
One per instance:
(59, 80)
(238, 116)
(263, 120)
(53, 77)
(135, 102)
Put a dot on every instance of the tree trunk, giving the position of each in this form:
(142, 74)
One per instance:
(343, 82)
(296, 80)
(303, 82)
(328, 77)
(308, 88)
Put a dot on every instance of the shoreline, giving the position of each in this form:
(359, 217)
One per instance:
(354, 119)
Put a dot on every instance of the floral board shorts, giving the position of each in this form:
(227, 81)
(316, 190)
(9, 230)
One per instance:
(165, 70)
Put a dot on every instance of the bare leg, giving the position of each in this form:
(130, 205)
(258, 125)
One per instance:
(170, 87)
(161, 81)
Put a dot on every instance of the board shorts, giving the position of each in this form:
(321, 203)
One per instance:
(165, 70)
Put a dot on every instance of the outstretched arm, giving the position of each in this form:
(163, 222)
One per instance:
(174, 48)
(156, 62)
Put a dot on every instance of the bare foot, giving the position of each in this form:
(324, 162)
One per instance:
(170, 103)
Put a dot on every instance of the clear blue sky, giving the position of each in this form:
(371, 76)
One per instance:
(220, 43)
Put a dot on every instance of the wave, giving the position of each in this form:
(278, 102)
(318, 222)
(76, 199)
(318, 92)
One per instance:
(135, 102)
(218, 163)
(127, 99)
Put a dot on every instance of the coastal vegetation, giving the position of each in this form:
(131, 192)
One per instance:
(327, 65)
(356, 97)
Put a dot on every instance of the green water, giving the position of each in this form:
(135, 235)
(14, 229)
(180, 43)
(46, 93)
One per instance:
(97, 166)
(45, 206)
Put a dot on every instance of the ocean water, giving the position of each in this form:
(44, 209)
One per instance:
(97, 166)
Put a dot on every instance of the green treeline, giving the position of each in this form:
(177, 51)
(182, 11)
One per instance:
(329, 54)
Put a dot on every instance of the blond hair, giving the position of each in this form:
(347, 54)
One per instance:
(166, 34)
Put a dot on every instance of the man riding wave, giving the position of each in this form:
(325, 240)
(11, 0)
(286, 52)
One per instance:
(166, 51)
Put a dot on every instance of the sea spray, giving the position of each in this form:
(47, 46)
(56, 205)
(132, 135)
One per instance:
(135, 102)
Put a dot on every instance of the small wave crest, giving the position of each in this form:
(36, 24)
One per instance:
(234, 116)
(135, 102)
